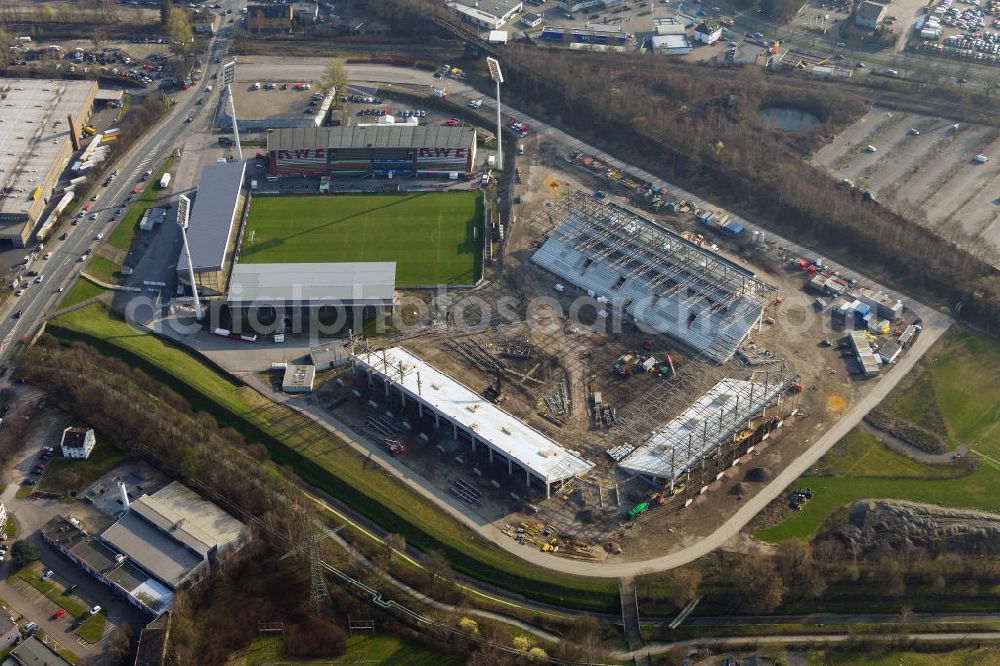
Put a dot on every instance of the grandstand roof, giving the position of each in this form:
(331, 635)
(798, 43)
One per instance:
(316, 284)
(372, 136)
(213, 213)
(500, 430)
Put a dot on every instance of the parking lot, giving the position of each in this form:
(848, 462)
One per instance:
(926, 164)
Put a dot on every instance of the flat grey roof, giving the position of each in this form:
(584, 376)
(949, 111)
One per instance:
(33, 132)
(33, 652)
(349, 283)
(213, 213)
(373, 136)
(157, 553)
(201, 519)
(495, 7)
(298, 376)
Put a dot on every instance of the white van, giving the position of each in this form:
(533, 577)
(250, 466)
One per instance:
(256, 86)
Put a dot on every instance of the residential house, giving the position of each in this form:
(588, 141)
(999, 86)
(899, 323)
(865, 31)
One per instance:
(708, 32)
(78, 442)
(870, 15)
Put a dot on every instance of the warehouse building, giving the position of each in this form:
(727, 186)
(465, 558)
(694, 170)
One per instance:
(160, 543)
(390, 151)
(40, 120)
(610, 35)
(472, 418)
(487, 14)
(213, 226)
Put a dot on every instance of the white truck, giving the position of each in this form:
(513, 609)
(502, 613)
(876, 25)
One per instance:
(165, 181)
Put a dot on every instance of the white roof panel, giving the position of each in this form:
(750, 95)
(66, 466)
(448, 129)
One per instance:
(492, 425)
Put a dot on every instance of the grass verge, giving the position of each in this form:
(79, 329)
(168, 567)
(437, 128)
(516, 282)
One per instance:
(52, 592)
(127, 227)
(860, 453)
(327, 463)
(10, 527)
(92, 629)
(104, 270)
(81, 290)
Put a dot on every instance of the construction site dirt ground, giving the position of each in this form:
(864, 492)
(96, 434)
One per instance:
(588, 513)
(931, 177)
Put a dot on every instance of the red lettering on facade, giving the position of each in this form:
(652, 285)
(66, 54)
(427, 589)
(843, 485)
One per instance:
(302, 153)
(321, 153)
(460, 152)
(282, 154)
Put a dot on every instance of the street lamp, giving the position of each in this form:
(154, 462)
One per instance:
(228, 79)
(497, 76)
(183, 212)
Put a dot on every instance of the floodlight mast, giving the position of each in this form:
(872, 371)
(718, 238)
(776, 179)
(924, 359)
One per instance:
(497, 76)
(183, 212)
(228, 79)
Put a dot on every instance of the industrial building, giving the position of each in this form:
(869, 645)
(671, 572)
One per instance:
(668, 284)
(718, 416)
(40, 124)
(392, 151)
(487, 14)
(213, 225)
(77, 442)
(670, 44)
(707, 32)
(160, 543)
(471, 417)
(611, 35)
(298, 378)
(871, 363)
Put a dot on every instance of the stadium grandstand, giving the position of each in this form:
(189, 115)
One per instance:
(379, 150)
(670, 285)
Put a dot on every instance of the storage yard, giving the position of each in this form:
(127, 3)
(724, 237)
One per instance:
(664, 364)
(940, 172)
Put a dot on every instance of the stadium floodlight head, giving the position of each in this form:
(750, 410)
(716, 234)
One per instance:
(228, 79)
(229, 73)
(497, 76)
(183, 215)
(495, 72)
(183, 211)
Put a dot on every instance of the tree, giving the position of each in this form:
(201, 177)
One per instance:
(334, 82)
(799, 572)
(684, 588)
(179, 32)
(437, 565)
(755, 583)
(118, 646)
(166, 9)
(316, 637)
(24, 553)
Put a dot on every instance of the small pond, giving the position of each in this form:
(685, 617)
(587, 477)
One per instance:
(787, 118)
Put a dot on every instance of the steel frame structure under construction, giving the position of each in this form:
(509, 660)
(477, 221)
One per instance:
(505, 437)
(671, 434)
(667, 283)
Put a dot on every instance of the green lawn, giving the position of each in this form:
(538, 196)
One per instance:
(127, 227)
(385, 649)
(81, 290)
(322, 460)
(103, 269)
(978, 490)
(66, 475)
(958, 387)
(92, 629)
(10, 527)
(860, 453)
(434, 238)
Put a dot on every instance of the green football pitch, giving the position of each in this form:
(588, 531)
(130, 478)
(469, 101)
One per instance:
(434, 238)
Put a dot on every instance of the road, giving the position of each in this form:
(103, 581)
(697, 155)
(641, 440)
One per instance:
(62, 269)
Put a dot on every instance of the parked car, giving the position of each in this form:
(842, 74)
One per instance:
(95, 610)
(71, 589)
(48, 574)
(59, 613)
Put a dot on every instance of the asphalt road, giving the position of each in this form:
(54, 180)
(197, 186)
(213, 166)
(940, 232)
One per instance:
(41, 300)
